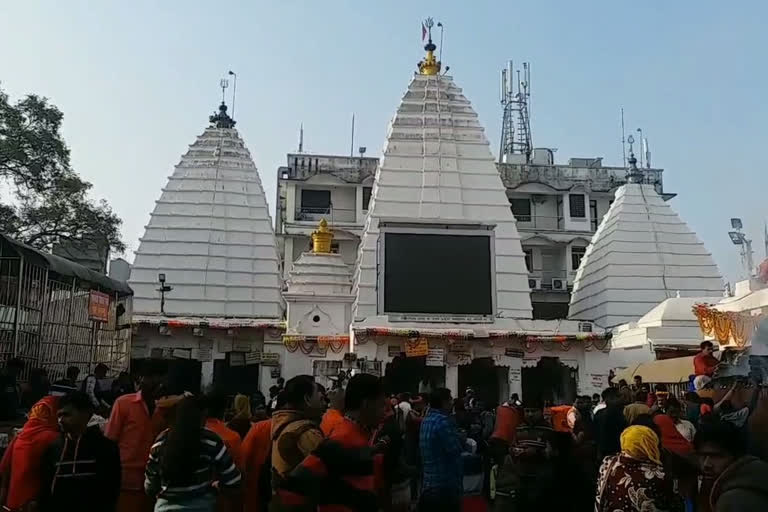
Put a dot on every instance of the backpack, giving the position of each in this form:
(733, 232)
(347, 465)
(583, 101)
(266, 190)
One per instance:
(268, 482)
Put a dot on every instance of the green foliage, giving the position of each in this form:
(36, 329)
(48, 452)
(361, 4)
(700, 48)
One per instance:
(48, 201)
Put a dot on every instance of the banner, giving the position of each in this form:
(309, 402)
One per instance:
(98, 307)
(419, 348)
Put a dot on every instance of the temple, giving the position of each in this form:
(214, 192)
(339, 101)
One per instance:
(641, 254)
(441, 290)
(205, 276)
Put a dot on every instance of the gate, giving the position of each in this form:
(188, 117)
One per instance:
(45, 316)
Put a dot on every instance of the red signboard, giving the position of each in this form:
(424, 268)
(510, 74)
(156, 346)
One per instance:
(98, 307)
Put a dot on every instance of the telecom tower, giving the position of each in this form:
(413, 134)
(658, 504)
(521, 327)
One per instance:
(516, 125)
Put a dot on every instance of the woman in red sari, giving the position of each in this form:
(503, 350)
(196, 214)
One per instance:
(20, 466)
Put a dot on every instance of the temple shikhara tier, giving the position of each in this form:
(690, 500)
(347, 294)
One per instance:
(205, 276)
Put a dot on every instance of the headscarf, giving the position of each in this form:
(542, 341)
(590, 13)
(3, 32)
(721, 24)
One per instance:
(242, 407)
(671, 438)
(641, 443)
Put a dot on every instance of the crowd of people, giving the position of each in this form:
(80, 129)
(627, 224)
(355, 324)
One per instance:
(355, 448)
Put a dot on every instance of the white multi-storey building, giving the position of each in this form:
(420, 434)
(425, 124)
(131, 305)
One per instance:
(313, 187)
(558, 208)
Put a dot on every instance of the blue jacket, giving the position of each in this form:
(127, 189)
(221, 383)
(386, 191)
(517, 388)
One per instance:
(441, 449)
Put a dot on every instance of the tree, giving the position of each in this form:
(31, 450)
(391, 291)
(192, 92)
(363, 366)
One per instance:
(46, 200)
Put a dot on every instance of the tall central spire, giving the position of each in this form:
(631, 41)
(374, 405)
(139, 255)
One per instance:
(429, 65)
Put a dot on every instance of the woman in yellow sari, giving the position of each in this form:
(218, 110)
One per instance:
(634, 480)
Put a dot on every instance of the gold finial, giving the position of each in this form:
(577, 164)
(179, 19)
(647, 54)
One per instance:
(430, 65)
(322, 238)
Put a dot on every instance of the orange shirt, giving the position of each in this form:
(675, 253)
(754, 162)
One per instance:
(230, 437)
(331, 419)
(134, 431)
(255, 450)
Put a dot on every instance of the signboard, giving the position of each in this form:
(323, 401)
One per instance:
(237, 359)
(181, 353)
(598, 380)
(270, 359)
(436, 357)
(241, 346)
(253, 357)
(394, 350)
(459, 359)
(514, 352)
(418, 349)
(204, 355)
(515, 375)
(98, 307)
(459, 347)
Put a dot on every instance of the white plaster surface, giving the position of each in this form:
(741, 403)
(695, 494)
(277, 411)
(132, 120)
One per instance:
(437, 166)
(211, 234)
(641, 254)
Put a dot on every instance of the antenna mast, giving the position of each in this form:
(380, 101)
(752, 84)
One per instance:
(516, 123)
(623, 141)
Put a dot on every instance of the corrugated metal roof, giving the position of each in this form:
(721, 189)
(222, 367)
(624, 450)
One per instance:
(63, 267)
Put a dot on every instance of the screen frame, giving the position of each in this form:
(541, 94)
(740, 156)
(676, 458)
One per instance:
(484, 230)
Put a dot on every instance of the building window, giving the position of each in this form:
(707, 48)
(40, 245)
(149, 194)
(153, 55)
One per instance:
(577, 254)
(577, 205)
(521, 209)
(315, 201)
(335, 247)
(367, 197)
(528, 259)
(593, 214)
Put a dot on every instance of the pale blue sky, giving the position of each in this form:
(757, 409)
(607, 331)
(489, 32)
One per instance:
(137, 80)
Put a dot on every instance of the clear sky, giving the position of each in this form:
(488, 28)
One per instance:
(136, 81)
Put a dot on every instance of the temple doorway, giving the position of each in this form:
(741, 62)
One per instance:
(490, 382)
(412, 375)
(550, 382)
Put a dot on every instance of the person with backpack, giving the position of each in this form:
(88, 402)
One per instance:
(295, 426)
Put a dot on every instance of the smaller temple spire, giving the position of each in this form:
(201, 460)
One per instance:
(322, 238)
(429, 65)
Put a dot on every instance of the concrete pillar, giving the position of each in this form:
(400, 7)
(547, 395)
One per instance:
(287, 256)
(516, 377)
(290, 203)
(359, 214)
(206, 375)
(452, 379)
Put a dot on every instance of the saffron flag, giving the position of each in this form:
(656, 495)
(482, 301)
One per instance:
(423, 31)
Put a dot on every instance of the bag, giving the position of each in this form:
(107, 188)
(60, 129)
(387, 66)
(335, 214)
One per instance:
(268, 482)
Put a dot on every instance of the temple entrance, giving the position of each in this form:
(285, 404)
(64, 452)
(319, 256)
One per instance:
(484, 377)
(549, 383)
(232, 376)
(412, 375)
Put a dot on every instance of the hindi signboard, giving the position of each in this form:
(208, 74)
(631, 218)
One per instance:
(436, 357)
(270, 359)
(418, 349)
(98, 306)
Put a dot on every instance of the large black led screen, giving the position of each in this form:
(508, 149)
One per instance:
(437, 274)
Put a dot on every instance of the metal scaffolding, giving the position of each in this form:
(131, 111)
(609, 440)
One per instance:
(46, 318)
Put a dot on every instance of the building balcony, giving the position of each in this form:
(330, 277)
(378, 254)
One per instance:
(332, 215)
(539, 222)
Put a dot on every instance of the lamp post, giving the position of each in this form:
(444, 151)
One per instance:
(744, 243)
(234, 92)
(164, 288)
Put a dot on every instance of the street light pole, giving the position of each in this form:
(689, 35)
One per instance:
(234, 92)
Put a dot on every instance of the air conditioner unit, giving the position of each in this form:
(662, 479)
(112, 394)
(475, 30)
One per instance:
(558, 284)
(585, 326)
(534, 283)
